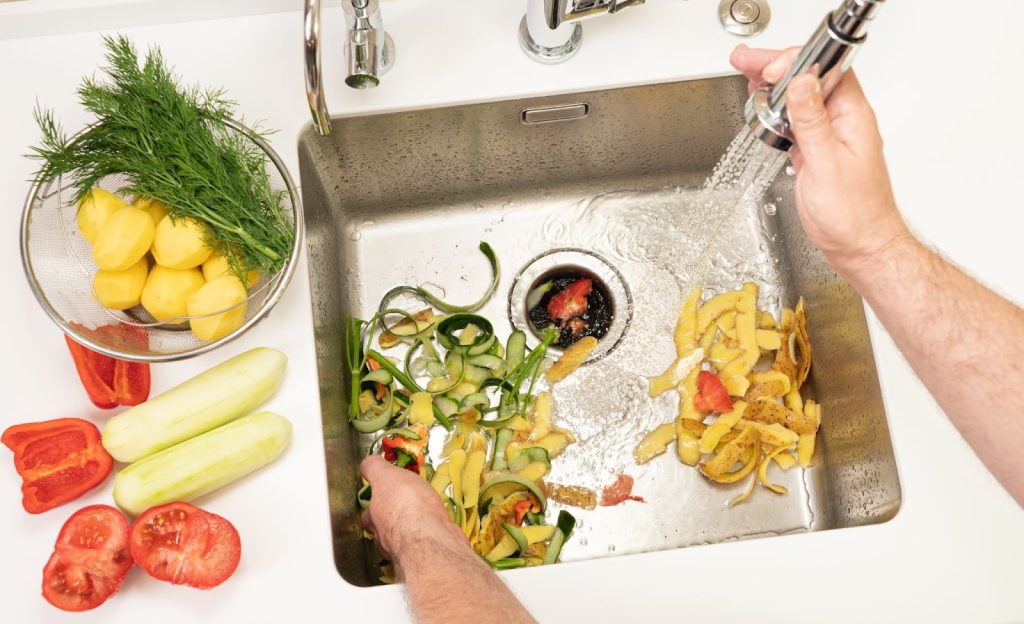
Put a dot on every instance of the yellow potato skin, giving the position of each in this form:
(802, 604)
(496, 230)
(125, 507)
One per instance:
(167, 291)
(123, 240)
(156, 208)
(217, 294)
(120, 290)
(178, 244)
(217, 265)
(93, 211)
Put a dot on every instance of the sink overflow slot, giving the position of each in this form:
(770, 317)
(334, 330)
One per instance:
(548, 114)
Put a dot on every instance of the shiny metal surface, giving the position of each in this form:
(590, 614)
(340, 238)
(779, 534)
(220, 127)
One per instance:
(313, 73)
(369, 53)
(744, 18)
(550, 32)
(613, 182)
(828, 54)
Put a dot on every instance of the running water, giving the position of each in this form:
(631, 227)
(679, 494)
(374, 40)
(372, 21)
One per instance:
(665, 243)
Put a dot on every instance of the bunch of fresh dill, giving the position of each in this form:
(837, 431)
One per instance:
(170, 142)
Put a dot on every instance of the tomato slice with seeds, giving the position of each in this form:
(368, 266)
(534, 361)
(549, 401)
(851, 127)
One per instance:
(185, 545)
(712, 395)
(89, 560)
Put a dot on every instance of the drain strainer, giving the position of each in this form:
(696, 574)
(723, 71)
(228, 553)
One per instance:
(576, 291)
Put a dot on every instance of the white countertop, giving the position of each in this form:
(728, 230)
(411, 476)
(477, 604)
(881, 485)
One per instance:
(946, 85)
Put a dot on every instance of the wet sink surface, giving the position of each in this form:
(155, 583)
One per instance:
(407, 197)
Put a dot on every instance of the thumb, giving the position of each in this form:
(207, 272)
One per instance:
(809, 120)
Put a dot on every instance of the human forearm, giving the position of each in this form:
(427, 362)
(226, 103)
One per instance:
(965, 342)
(448, 582)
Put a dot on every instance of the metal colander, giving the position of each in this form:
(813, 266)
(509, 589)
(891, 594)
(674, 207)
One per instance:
(59, 267)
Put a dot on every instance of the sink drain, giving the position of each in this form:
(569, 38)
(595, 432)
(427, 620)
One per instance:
(576, 291)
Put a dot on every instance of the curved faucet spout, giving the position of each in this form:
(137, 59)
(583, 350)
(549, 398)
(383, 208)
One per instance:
(369, 53)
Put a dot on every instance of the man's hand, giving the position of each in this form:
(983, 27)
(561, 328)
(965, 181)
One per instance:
(446, 581)
(843, 193)
(403, 507)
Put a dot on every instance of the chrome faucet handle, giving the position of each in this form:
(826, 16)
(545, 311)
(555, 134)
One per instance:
(827, 54)
(550, 31)
(314, 73)
(369, 53)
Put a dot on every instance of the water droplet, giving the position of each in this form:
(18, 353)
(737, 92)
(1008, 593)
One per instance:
(770, 209)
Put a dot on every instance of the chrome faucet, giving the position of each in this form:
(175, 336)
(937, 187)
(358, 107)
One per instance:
(369, 53)
(827, 54)
(550, 31)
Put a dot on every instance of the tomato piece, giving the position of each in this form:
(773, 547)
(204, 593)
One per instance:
(572, 301)
(711, 394)
(619, 492)
(58, 460)
(521, 508)
(185, 545)
(90, 559)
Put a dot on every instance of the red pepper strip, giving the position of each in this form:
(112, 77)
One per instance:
(58, 460)
(375, 365)
(390, 443)
(712, 395)
(96, 372)
(110, 382)
(521, 508)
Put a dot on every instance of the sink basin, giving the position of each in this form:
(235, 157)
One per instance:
(608, 176)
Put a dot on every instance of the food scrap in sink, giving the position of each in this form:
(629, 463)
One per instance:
(726, 348)
(574, 302)
(489, 397)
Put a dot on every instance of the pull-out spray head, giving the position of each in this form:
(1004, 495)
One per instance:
(827, 54)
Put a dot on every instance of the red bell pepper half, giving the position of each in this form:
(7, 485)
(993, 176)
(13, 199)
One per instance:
(58, 460)
(110, 382)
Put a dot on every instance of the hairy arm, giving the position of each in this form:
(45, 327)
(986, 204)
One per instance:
(965, 342)
(448, 582)
(445, 580)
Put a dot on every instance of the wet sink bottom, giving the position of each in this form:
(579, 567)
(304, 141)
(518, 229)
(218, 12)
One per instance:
(407, 197)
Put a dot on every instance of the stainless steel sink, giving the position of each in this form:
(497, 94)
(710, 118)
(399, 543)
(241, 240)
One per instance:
(406, 198)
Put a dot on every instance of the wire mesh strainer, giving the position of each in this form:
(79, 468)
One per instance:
(59, 267)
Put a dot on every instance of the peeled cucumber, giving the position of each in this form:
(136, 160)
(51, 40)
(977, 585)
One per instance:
(206, 401)
(188, 470)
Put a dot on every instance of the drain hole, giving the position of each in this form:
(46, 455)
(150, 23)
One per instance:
(575, 291)
(572, 299)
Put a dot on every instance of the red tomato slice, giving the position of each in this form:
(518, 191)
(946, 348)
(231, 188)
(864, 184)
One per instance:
(572, 301)
(185, 545)
(711, 394)
(89, 560)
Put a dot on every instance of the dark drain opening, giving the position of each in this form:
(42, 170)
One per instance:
(609, 305)
(574, 300)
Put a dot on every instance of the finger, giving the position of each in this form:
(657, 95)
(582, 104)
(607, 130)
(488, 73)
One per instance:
(751, 62)
(809, 119)
(373, 468)
(852, 115)
(774, 71)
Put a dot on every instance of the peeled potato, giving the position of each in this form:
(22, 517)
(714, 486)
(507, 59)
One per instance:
(123, 239)
(178, 243)
(167, 291)
(93, 211)
(156, 208)
(217, 265)
(120, 290)
(218, 294)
